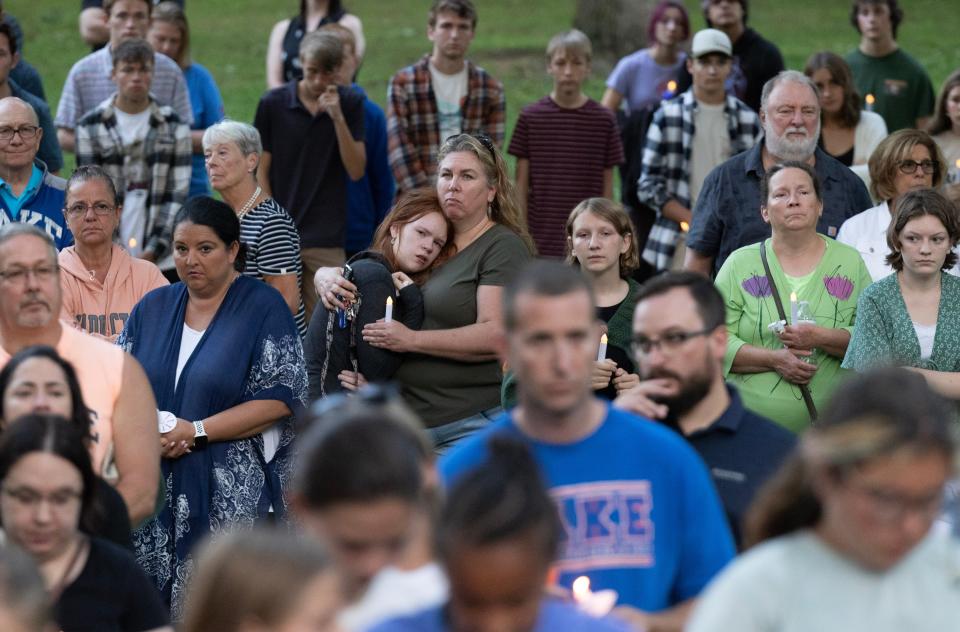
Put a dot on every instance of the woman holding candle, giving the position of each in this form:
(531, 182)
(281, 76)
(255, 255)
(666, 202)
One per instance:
(908, 318)
(450, 374)
(841, 539)
(412, 239)
(945, 129)
(905, 160)
(232, 153)
(847, 132)
(498, 534)
(642, 78)
(772, 362)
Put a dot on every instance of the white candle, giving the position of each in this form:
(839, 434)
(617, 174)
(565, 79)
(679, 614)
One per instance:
(870, 101)
(794, 309)
(602, 351)
(596, 604)
(388, 315)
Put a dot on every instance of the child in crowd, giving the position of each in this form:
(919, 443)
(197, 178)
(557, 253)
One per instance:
(566, 145)
(145, 148)
(497, 536)
(312, 133)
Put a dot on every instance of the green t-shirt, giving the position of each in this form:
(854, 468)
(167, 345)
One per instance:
(899, 83)
(831, 296)
(441, 390)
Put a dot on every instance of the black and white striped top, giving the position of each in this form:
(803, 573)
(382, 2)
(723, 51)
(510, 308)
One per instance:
(273, 247)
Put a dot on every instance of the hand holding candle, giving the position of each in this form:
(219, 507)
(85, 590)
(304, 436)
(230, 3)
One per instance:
(388, 314)
(596, 604)
(602, 351)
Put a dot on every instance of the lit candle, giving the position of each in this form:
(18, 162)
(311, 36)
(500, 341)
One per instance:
(954, 176)
(794, 308)
(596, 604)
(602, 351)
(670, 91)
(684, 226)
(870, 101)
(133, 242)
(388, 315)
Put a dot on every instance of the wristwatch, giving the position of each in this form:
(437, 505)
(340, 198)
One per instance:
(200, 438)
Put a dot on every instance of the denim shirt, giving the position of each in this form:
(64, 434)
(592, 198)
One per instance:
(727, 213)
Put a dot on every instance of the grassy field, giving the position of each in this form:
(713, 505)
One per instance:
(229, 38)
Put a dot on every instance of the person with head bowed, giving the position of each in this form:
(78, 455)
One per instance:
(596, 460)
(170, 34)
(365, 486)
(414, 238)
(841, 539)
(449, 372)
(47, 490)
(263, 580)
(232, 152)
(907, 318)
(791, 303)
(124, 442)
(848, 132)
(497, 536)
(101, 282)
(224, 358)
(902, 162)
(38, 381)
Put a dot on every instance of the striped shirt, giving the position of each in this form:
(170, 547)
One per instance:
(273, 247)
(569, 150)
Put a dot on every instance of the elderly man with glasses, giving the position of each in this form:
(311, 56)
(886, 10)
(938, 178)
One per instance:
(28, 192)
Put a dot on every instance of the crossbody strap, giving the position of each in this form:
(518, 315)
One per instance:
(804, 390)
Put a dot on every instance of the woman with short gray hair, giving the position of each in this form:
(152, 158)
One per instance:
(232, 152)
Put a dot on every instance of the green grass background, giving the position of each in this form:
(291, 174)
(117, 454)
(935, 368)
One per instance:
(230, 39)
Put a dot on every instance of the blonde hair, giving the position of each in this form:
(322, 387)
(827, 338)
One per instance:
(615, 214)
(572, 41)
(884, 163)
(504, 209)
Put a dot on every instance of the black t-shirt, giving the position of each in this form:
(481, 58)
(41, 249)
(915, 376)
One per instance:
(112, 520)
(111, 593)
(846, 158)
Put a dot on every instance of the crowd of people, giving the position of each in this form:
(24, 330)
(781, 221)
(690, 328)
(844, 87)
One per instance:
(338, 369)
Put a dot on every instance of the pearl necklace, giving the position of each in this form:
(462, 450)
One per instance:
(248, 205)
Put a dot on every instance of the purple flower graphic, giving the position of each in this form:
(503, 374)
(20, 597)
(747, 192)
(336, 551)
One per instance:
(838, 286)
(757, 286)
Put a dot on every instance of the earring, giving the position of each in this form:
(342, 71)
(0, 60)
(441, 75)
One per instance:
(393, 240)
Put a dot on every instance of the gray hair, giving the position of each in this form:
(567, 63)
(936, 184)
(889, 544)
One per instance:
(22, 103)
(16, 229)
(244, 136)
(787, 76)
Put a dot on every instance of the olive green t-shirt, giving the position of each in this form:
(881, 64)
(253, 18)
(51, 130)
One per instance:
(441, 390)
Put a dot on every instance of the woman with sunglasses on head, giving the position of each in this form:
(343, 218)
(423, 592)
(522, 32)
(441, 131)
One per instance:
(47, 487)
(903, 161)
(101, 282)
(841, 538)
(450, 374)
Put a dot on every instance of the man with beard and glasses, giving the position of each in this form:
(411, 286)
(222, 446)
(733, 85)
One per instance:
(727, 213)
(639, 512)
(679, 341)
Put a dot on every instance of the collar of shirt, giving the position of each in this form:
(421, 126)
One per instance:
(729, 421)
(14, 202)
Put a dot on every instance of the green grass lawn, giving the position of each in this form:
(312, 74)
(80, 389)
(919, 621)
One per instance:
(230, 37)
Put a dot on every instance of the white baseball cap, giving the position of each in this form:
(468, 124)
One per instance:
(711, 41)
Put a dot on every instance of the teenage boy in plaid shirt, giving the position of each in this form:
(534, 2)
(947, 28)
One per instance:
(688, 137)
(146, 149)
(440, 96)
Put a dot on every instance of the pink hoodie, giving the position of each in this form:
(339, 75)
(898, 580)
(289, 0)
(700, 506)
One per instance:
(102, 309)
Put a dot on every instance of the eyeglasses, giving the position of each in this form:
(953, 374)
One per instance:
(19, 275)
(30, 499)
(910, 166)
(26, 132)
(672, 341)
(80, 209)
(890, 508)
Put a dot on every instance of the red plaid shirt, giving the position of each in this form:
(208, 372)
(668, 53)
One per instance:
(413, 124)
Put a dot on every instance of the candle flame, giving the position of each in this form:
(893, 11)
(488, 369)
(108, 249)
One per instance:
(672, 85)
(958, 163)
(133, 242)
(389, 301)
(684, 226)
(603, 341)
(581, 588)
(871, 99)
(793, 297)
